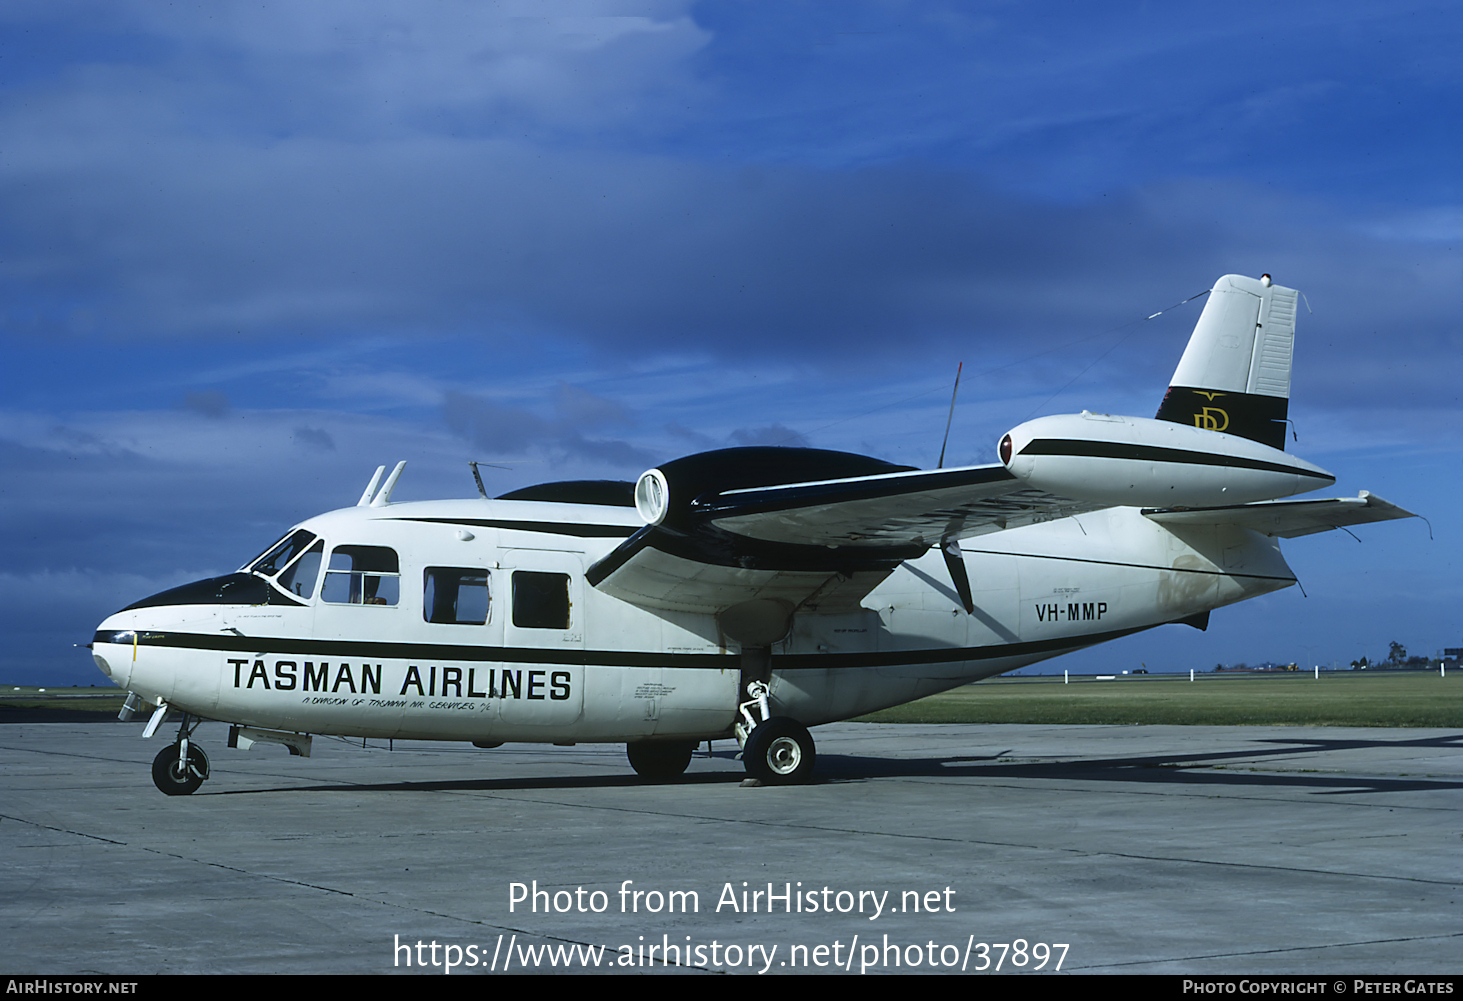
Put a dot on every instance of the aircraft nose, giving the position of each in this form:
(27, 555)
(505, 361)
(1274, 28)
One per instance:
(119, 675)
(114, 648)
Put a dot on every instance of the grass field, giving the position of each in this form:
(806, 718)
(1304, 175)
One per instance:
(1340, 699)
(30, 704)
(1349, 698)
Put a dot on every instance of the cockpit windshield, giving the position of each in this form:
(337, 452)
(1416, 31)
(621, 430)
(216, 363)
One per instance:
(283, 552)
(300, 578)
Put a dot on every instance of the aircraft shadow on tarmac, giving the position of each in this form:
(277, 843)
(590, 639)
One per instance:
(1246, 767)
(1238, 768)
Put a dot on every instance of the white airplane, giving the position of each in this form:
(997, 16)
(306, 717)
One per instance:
(748, 592)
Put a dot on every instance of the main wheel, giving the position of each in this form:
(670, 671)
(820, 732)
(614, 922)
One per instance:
(175, 777)
(779, 752)
(660, 759)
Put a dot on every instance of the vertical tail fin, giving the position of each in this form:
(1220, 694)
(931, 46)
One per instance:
(1235, 373)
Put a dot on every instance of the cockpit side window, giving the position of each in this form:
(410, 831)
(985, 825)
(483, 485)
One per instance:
(301, 576)
(286, 550)
(362, 575)
(455, 595)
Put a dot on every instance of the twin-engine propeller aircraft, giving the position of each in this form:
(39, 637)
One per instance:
(749, 592)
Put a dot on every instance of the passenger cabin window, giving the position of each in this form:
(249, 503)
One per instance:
(301, 576)
(540, 600)
(362, 575)
(283, 552)
(455, 595)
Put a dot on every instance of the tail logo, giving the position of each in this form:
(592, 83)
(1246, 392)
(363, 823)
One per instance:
(1249, 415)
(1211, 419)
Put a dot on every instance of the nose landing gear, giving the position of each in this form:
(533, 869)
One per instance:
(180, 768)
(175, 776)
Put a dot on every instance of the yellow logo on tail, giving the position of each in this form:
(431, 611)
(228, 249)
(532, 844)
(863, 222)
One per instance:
(1211, 419)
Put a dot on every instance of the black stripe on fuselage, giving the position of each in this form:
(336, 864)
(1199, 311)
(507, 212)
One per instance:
(1155, 453)
(374, 650)
(547, 527)
(256, 646)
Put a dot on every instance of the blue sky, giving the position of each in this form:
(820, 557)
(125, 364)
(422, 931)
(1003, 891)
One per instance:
(248, 252)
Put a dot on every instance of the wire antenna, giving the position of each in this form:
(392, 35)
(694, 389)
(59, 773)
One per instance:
(951, 418)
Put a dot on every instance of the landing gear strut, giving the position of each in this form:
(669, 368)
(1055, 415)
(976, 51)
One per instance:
(180, 768)
(776, 750)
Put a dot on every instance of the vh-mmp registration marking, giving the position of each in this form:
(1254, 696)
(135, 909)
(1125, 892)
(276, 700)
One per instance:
(1071, 611)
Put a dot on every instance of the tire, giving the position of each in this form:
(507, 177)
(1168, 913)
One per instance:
(660, 760)
(174, 779)
(780, 752)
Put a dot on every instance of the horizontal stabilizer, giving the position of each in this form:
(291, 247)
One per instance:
(1287, 518)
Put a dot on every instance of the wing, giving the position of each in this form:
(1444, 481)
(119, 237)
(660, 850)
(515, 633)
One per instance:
(1287, 518)
(916, 508)
(820, 545)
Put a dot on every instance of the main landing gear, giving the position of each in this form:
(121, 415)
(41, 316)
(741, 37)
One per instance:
(660, 760)
(778, 750)
(180, 768)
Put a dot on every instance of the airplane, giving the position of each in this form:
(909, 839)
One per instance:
(747, 593)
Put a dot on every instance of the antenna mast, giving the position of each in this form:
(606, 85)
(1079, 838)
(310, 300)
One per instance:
(948, 420)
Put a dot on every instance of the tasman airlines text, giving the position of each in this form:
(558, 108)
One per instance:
(430, 681)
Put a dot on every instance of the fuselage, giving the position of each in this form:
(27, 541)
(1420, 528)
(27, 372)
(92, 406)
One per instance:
(472, 620)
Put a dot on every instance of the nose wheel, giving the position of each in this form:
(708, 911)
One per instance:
(176, 776)
(180, 768)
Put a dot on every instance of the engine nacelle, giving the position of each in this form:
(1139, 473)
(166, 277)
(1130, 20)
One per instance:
(1141, 462)
(680, 494)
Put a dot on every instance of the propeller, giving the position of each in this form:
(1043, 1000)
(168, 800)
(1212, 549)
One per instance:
(950, 547)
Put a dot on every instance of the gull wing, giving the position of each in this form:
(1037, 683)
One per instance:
(815, 546)
(918, 508)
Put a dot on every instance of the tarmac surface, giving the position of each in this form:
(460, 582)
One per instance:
(1107, 849)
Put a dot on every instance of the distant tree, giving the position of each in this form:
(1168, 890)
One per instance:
(1397, 653)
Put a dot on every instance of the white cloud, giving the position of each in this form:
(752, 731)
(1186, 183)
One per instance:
(1436, 224)
(346, 66)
